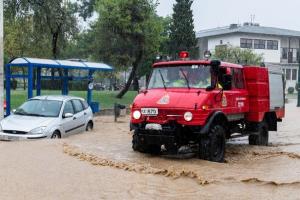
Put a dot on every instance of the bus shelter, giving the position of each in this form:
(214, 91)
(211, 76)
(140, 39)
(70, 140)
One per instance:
(35, 67)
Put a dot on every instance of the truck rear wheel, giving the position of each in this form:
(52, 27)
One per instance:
(212, 146)
(261, 138)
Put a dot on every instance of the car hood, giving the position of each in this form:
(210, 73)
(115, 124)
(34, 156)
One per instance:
(177, 99)
(24, 123)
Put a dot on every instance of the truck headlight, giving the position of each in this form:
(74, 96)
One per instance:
(188, 116)
(36, 131)
(137, 114)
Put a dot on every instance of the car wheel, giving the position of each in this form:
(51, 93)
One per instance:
(89, 126)
(260, 138)
(56, 135)
(212, 146)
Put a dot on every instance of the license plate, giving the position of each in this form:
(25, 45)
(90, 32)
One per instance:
(156, 127)
(9, 138)
(149, 111)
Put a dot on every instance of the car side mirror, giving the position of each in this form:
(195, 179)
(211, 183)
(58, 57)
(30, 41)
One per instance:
(227, 81)
(13, 111)
(68, 115)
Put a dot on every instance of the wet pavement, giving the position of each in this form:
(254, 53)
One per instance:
(101, 165)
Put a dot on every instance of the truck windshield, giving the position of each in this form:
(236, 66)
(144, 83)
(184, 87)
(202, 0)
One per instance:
(187, 76)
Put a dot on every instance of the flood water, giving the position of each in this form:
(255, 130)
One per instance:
(101, 165)
(275, 169)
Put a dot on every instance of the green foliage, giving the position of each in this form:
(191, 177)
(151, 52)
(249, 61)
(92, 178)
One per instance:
(237, 55)
(183, 37)
(297, 88)
(38, 28)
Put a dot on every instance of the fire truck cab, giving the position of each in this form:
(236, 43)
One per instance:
(199, 104)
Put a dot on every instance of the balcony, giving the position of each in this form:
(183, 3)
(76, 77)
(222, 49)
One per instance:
(291, 55)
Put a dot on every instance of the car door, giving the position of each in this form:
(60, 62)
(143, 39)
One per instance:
(79, 115)
(68, 124)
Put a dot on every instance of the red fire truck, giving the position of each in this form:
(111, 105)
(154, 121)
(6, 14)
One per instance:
(197, 104)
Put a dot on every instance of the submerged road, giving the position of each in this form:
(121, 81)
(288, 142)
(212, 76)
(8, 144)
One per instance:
(102, 165)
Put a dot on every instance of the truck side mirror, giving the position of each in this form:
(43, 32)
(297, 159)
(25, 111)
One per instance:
(215, 65)
(227, 81)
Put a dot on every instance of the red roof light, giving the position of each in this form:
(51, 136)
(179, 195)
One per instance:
(184, 54)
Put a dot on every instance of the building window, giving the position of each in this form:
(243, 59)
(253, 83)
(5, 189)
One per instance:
(288, 74)
(294, 74)
(272, 44)
(259, 44)
(246, 43)
(284, 53)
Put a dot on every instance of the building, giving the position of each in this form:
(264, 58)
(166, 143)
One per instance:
(280, 47)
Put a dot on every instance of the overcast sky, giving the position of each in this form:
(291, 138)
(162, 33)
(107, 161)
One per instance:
(216, 13)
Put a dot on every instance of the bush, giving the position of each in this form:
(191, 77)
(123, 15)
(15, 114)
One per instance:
(291, 90)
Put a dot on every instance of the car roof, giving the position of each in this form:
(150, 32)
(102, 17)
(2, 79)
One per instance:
(57, 97)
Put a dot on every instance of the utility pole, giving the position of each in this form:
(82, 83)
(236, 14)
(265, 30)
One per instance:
(1, 61)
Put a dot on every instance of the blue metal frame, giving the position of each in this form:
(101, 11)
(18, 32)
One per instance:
(39, 66)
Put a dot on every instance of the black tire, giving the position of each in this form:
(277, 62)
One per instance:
(212, 146)
(261, 138)
(143, 148)
(89, 126)
(56, 135)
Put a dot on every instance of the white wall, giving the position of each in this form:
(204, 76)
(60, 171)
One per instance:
(234, 40)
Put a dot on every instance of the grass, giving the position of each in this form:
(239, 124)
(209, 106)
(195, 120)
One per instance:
(106, 99)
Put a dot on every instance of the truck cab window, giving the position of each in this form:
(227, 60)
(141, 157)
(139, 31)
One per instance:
(238, 79)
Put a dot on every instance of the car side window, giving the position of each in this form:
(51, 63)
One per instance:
(68, 108)
(85, 105)
(77, 105)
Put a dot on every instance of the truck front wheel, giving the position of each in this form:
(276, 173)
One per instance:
(260, 138)
(144, 148)
(212, 146)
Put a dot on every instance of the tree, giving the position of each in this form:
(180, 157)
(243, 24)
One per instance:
(182, 36)
(128, 32)
(237, 55)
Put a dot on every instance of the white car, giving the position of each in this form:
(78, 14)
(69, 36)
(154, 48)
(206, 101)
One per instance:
(47, 117)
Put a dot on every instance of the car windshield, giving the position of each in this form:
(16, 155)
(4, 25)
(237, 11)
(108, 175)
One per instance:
(40, 108)
(187, 76)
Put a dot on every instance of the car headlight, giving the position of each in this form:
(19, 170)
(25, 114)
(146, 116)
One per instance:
(36, 131)
(188, 116)
(137, 114)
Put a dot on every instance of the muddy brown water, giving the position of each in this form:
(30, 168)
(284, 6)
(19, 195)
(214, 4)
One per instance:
(101, 165)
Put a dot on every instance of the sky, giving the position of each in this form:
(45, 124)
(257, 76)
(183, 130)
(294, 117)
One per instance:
(217, 13)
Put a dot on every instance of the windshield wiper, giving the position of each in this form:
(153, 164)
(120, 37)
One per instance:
(35, 115)
(187, 81)
(163, 80)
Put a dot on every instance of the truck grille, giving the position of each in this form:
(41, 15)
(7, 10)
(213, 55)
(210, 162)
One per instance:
(14, 132)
